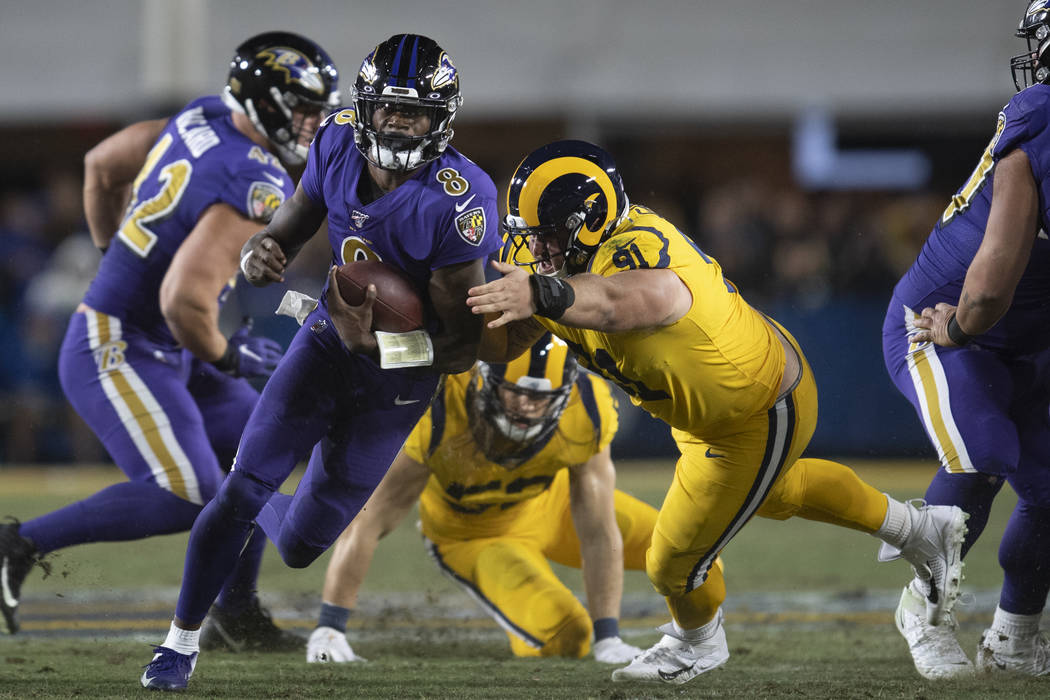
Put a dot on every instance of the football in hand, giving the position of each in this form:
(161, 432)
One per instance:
(398, 307)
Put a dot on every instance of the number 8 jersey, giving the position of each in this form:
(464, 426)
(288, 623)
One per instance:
(707, 372)
(199, 160)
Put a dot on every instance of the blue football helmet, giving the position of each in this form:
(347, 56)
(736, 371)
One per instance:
(570, 189)
(415, 74)
(1033, 66)
(272, 76)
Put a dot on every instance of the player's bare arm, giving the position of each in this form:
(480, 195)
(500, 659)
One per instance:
(506, 342)
(203, 264)
(109, 173)
(456, 343)
(384, 510)
(627, 301)
(1000, 261)
(266, 254)
(591, 488)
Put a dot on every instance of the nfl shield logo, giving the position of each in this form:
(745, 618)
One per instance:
(359, 218)
(471, 225)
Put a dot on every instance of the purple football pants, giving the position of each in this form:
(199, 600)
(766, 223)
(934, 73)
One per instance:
(351, 414)
(987, 414)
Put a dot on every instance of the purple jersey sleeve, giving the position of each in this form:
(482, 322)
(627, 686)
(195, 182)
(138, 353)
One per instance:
(1024, 127)
(320, 156)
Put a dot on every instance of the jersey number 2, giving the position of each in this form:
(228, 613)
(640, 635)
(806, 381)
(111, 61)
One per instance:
(174, 178)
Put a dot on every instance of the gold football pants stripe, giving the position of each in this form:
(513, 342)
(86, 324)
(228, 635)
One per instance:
(931, 387)
(142, 415)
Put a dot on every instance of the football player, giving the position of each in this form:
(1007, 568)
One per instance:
(392, 189)
(638, 302)
(171, 202)
(967, 341)
(512, 463)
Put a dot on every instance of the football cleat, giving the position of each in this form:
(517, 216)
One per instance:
(674, 660)
(17, 557)
(328, 645)
(934, 550)
(250, 630)
(998, 652)
(169, 670)
(934, 649)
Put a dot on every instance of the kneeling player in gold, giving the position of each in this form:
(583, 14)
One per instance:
(512, 470)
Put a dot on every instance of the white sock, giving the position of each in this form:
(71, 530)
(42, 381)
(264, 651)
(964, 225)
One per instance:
(698, 634)
(896, 528)
(1013, 625)
(183, 641)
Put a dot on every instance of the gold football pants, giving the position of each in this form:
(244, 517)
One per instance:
(720, 484)
(510, 576)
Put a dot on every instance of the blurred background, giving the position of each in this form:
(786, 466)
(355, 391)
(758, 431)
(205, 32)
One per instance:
(809, 146)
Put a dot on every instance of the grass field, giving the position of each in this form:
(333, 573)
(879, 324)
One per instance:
(809, 614)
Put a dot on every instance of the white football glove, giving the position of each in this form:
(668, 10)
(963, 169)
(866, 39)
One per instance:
(613, 650)
(327, 645)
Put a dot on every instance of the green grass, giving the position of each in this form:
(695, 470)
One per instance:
(838, 661)
(785, 652)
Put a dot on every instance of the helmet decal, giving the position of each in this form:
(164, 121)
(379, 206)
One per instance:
(446, 74)
(368, 70)
(296, 67)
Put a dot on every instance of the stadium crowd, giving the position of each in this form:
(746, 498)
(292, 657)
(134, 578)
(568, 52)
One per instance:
(828, 246)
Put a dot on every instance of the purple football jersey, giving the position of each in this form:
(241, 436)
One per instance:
(940, 269)
(444, 214)
(200, 159)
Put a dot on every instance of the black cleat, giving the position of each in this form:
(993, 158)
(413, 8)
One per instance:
(251, 630)
(17, 556)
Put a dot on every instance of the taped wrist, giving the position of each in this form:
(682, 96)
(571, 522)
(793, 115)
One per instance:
(228, 362)
(551, 295)
(958, 335)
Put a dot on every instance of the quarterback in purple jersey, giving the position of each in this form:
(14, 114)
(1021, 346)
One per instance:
(382, 173)
(143, 362)
(967, 341)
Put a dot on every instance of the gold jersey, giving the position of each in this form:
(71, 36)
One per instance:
(704, 374)
(470, 496)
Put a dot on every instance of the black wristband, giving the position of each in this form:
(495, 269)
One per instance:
(103, 248)
(551, 295)
(228, 362)
(958, 335)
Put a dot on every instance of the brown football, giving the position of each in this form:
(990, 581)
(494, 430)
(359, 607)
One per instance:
(398, 307)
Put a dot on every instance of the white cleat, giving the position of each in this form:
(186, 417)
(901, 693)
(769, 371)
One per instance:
(672, 660)
(934, 549)
(934, 649)
(998, 652)
(328, 645)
